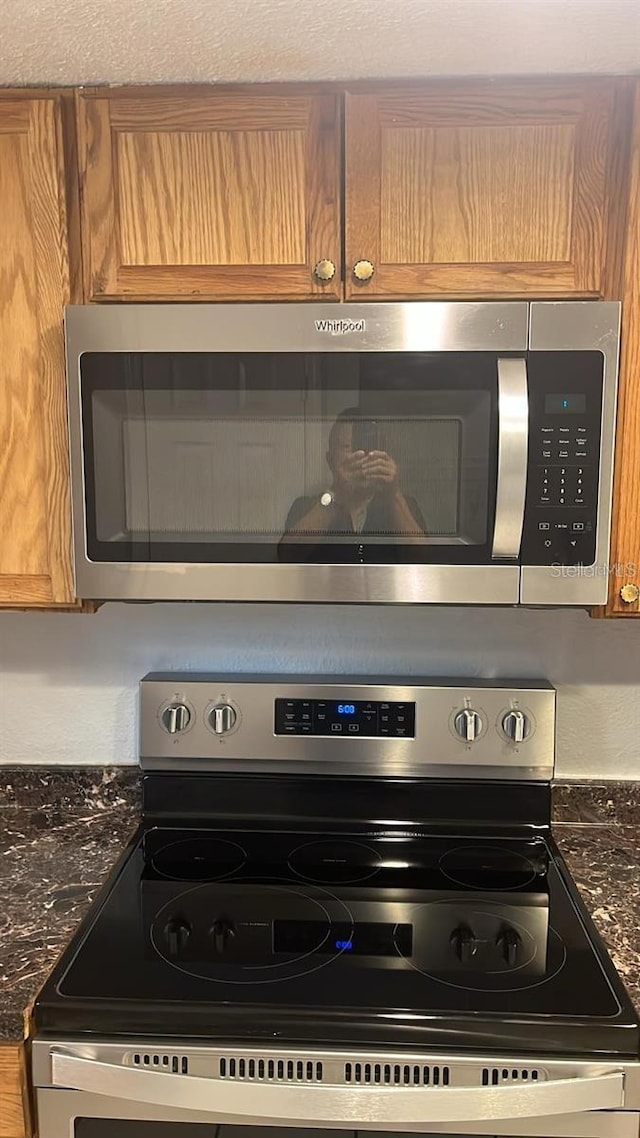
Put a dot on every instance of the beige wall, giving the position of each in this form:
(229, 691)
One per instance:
(68, 683)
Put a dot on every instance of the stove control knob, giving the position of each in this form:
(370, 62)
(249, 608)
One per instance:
(468, 725)
(222, 718)
(222, 931)
(176, 718)
(509, 943)
(464, 944)
(176, 934)
(516, 726)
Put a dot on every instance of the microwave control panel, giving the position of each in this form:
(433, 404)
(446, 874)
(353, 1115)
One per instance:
(565, 410)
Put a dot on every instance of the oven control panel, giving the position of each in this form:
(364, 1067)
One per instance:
(351, 726)
(344, 718)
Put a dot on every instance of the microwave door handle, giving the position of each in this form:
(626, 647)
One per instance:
(513, 439)
(346, 1106)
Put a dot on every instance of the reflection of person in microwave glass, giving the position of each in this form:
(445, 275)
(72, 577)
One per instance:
(365, 495)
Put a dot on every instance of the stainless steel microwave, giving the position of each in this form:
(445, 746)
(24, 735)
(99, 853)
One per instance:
(449, 453)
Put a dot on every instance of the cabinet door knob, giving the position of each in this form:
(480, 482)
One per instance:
(363, 271)
(629, 593)
(324, 271)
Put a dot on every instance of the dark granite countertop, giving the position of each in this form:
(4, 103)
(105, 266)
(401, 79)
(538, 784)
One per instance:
(61, 830)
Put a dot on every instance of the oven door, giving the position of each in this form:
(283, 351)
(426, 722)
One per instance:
(100, 1091)
(70, 1114)
(256, 453)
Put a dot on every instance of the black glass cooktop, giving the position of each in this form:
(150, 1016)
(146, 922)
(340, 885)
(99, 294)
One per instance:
(427, 940)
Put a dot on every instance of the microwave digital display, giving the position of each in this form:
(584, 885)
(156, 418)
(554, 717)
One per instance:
(573, 403)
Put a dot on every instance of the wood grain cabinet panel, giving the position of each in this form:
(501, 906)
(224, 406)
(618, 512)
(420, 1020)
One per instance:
(478, 188)
(218, 194)
(13, 1092)
(625, 544)
(35, 526)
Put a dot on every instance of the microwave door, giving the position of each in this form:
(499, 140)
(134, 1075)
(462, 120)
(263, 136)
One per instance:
(513, 438)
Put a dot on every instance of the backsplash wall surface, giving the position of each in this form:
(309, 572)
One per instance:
(68, 683)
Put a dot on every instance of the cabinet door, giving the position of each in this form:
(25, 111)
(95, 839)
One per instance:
(35, 525)
(13, 1091)
(220, 195)
(478, 188)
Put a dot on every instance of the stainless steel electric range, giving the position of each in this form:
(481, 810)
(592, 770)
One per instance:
(344, 909)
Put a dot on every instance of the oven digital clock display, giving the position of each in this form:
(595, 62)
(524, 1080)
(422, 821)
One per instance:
(345, 718)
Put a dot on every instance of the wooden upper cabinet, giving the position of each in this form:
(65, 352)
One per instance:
(478, 188)
(209, 194)
(35, 523)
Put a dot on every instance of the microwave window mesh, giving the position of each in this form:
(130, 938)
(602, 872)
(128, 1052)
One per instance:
(240, 477)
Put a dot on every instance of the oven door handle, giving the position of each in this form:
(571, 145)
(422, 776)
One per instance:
(351, 1106)
(513, 442)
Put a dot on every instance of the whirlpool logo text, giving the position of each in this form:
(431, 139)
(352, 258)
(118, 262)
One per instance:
(340, 327)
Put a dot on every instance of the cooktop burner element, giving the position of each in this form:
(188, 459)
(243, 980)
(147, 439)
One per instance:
(492, 947)
(253, 935)
(198, 859)
(396, 891)
(335, 861)
(488, 867)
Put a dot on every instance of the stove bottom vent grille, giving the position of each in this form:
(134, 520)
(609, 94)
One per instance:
(407, 1074)
(494, 1076)
(174, 1064)
(289, 1070)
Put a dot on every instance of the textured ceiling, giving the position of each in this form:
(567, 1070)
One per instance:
(158, 41)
